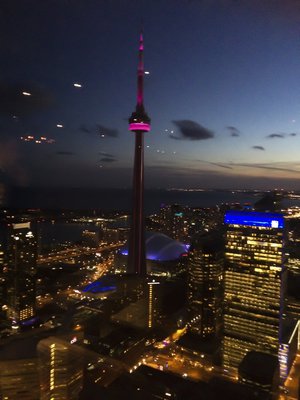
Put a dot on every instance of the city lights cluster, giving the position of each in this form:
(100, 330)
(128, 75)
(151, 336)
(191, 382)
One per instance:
(37, 139)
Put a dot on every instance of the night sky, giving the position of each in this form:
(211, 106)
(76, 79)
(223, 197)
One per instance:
(223, 92)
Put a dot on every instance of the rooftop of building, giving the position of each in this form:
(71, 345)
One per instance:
(192, 341)
(18, 348)
(230, 390)
(209, 242)
(258, 367)
(109, 283)
(149, 383)
(254, 218)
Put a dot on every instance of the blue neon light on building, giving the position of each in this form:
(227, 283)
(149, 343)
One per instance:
(98, 287)
(244, 218)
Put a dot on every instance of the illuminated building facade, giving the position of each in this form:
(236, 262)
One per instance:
(147, 303)
(90, 238)
(19, 379)
(174, 221)
(255, 280)
(139, 123)
(294, 265)
(153, 298)
(293, 295)
(205, 285)
(20, 267)
(2, 279)
(61, 369)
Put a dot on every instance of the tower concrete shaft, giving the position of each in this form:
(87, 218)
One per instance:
(139, 122)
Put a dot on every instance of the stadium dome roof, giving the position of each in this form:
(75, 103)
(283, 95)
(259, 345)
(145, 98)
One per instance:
(161, 247)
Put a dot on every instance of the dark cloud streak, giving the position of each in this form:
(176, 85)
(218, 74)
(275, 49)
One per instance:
(102, 153)
(107, 159)
(99, 130)
(276, 136)
(85, 129)
(234, 132)
(65, 153)
(265, 166)
(221, 165)
(191, 130)
(102, 130)
(258, 148)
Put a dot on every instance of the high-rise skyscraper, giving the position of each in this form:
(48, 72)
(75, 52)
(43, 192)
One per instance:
(255, 280)
(20, 267)
(139, 122)
(2, 279)
(174, 220)
(60, 368)
(205, 284)
(19, 379)
(153, 298)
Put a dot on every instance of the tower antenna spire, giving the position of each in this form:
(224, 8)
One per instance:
(140, 83)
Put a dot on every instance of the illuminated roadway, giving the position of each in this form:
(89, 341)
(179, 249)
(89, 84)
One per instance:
(187, 364)
(75, 252)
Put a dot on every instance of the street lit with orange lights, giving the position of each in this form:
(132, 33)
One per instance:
(184, 363)
(76, 251)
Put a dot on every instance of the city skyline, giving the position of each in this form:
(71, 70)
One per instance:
(222, 90)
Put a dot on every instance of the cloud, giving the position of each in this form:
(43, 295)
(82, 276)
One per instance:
(107, 159)
(271, 166)
(234, 132)
(102, 130)
(102, 153)
(275, 166)
(65, 153)
(258, 148)
(99, 130)
(191, 130)
(14, 102)
(222, 165)
(280, 135)
(85, 129)
(275, 136)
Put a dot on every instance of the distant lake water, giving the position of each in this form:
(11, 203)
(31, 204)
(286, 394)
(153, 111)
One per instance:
(61, 232)
(120, 199)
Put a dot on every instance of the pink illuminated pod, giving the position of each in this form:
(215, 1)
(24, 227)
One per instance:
(139, 122)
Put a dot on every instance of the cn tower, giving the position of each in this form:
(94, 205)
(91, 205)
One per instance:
(139, 122)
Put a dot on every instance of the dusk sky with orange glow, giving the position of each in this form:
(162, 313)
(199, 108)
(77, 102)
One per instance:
(222, 92)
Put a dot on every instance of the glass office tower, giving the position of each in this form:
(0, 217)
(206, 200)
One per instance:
(61, 366)
(20, 267)
(205, 285)
(254, 284)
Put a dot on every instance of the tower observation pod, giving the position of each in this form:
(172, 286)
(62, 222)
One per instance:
(139, 122)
